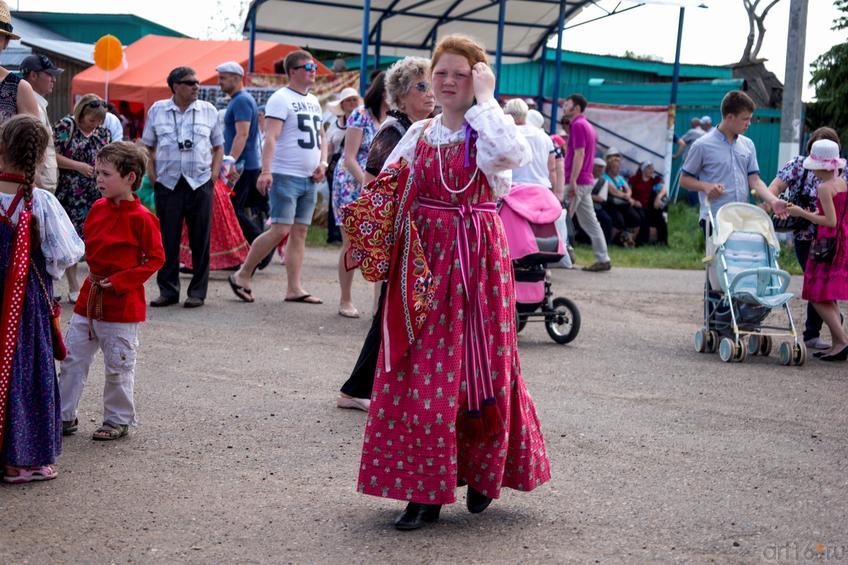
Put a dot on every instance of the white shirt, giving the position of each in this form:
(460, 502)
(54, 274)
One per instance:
(114, 125)
(167, 126)
(499, 147)
(541, 147)
(49, 172)
(298, 149)
(60, 244)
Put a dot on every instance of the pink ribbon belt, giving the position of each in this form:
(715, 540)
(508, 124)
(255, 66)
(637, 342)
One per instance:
(476, 362)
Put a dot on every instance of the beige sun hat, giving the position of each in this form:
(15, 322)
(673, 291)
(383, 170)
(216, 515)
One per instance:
(6, 22)
(336, 106)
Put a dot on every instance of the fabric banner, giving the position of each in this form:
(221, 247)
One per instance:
(640, 133)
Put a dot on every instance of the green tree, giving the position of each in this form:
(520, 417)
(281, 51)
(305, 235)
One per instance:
(830, 79)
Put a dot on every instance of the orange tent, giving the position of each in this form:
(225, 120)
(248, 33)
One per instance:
(151, 58)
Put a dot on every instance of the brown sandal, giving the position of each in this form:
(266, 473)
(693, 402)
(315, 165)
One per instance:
(109, 431)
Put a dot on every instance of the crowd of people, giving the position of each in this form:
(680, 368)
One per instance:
(439, 371)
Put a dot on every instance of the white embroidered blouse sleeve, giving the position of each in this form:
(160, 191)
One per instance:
(406, 146)
(60, 244)
(500, 147)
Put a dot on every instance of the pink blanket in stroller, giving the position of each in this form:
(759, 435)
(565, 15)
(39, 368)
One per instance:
(529, 210)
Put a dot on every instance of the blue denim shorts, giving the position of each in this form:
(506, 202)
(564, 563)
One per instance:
(292, 199)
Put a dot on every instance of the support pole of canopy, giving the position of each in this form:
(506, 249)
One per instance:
(672, 108)
(377, 45)
(499, 48)
(675, 77)
(363, 57)
(557, 68)
(250, 57)
(540, 93)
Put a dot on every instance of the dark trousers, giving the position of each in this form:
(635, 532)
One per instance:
(195, 208)
(813, 325)
(246, 183)
(334, 234)
(361, 380)
(652, 217)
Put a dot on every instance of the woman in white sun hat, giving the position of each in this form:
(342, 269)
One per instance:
(826, 278)
(16, 95)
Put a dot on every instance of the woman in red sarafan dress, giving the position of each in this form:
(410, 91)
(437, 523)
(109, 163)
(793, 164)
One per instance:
(452, 409)
(227, 246)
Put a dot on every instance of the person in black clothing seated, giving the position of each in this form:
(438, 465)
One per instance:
(410, 96)
(652, 195)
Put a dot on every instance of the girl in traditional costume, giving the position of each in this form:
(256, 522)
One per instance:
(37, 243)
(449, 407)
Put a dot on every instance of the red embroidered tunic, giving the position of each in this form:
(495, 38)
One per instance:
(122, 243)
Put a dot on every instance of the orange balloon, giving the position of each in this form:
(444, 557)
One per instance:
(108, 53)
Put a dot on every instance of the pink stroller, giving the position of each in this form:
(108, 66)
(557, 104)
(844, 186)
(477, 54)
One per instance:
(528, 213)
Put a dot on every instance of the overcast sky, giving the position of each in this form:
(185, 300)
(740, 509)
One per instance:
(713, 36)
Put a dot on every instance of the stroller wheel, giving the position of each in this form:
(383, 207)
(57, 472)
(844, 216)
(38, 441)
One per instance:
(712, 341)
(784, 353)
(727, 350)
(701, 341)
(799, 354)
(740, 352)
(519, 322)
(563, 323)
(754, 344)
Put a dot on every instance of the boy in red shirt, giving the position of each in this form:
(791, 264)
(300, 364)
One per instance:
(123, 248)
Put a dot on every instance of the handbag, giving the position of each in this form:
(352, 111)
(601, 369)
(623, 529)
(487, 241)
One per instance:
(824, 249)
(58, 340)
(796, 197)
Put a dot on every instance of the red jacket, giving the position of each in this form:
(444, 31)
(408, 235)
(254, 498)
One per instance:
(124, 244)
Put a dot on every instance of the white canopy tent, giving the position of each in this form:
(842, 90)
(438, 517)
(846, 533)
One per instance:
(517, 29)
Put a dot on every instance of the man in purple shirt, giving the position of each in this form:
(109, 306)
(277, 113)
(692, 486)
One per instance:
(579, 159)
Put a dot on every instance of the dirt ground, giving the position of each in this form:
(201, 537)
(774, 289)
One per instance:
(659, 454)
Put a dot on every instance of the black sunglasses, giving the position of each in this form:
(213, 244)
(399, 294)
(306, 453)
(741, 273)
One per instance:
(421, 86)
(189, 82)
(307, 66)
(96, 104)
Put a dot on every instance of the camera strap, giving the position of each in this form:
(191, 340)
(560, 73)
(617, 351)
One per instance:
(178, 130)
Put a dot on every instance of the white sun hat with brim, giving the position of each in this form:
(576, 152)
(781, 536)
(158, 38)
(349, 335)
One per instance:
(336, 106)
(824, 156)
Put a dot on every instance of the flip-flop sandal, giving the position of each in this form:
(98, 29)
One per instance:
(70, 428)
(109, 432)
(243, 293)
(306, 299)
(29, 475)
(349, 313)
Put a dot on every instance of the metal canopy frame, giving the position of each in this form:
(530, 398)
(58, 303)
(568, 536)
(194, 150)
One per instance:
(537, 33)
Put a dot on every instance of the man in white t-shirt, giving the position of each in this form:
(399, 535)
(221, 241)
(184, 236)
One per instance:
(542, 167)
(294, 158)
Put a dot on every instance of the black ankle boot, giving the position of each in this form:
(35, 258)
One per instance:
(476, 502)
(416, 515)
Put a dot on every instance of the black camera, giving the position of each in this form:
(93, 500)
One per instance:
(185, 145)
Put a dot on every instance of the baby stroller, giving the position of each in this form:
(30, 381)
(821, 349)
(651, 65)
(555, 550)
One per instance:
(743, 285)
(528, 213)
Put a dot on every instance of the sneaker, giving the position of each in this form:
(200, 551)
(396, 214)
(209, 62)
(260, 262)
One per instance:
(598, 266)
(816, 343)
(346, 401)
